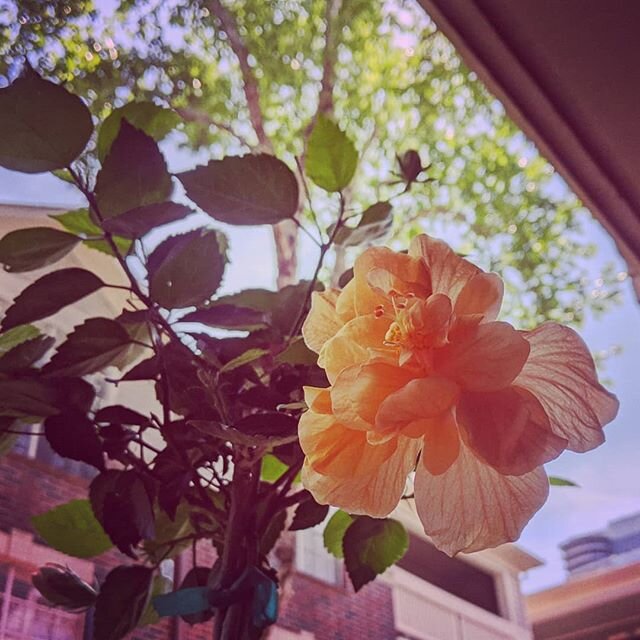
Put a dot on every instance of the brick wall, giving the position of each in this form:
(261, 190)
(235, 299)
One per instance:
(337, 613)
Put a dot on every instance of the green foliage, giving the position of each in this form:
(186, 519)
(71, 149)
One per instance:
(28, 249)
(334, 533)
(554, 481)
(42, 126)
(49, 294)
(331, 157)
(371, 546)
(245, 190)
(79, 222)
(186, 270)
(73, 529)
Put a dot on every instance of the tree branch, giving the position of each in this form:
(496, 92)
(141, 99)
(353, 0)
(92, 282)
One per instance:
(251, 90)
(191, 114)
(325, 99)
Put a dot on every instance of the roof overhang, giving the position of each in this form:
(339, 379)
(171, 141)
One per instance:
(567, 74)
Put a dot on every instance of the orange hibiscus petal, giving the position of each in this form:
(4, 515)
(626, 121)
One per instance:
(351, 344)
(441, 443)
(346, 302)
(333, 449)
(508, 429)
(318, 399)
(449, 272)
(472, 506)
(482, 294)
(561, 373)
(375, 492)
(418, 399)
(322, 322)
(359, 390)
(488, 359)
(407, 273)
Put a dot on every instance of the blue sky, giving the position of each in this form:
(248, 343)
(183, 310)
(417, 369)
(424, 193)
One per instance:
(609, 478)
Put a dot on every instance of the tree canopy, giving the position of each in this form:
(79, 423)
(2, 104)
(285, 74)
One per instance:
(249, 75)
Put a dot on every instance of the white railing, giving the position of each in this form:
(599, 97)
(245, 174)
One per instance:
(29, 620)
(426, 612)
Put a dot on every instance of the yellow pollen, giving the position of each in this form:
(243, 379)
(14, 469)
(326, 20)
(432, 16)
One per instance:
(394, 335)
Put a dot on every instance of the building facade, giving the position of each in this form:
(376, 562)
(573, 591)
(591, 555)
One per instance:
(601, 598)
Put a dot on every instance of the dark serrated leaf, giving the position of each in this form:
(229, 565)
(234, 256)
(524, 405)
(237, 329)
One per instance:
(331, 158)
(123, 503)
(121, 602)
(72, 435)
(269, 423)
(49, 294)
(25, 354)
(63, 588)
(371, 546)
(375, 224)
(34, 248)
(117, 414)
(43, 127)
(244, 190)
(73, 529)
(308, 514)
(155, 121)
(228, 316)
(37, 397)
(272, 532)
(133, 174)
(186, 270)
(137, 222)
(91, 346)
(148, 369)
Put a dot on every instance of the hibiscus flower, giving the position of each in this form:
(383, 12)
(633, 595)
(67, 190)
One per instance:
(424, 378)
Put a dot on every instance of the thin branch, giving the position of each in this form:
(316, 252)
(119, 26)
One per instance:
(191, 114)
(325, 99)
(306, 231)
(303, 180)
(251, 90)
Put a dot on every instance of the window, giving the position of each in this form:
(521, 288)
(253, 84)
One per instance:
(314, 560)
(455, 576)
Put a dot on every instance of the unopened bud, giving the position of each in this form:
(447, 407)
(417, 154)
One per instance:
(63, 588)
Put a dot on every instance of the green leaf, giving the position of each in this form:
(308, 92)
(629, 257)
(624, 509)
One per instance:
(297, 353)
(79, 222)
(123, 598)
(133, 174)
(334, 532)
(374, 224)
(49, 294)
(137, 222)
(331, 157)
(554, 481)
(159, 586)
(251, 355)
(18, 335)
(371, 546)
(91, 346)
(272, 468)
(167, 530)
(73, 529)
(25, 354)
(308, 514)
(186, 270)
(43, 127)
(155, 121)
(244, 190)
(28, 249)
